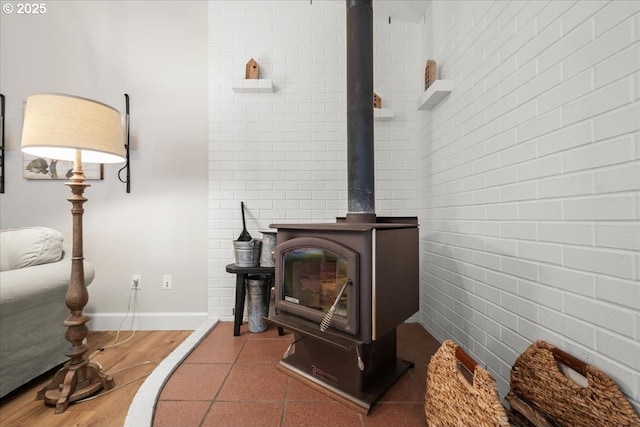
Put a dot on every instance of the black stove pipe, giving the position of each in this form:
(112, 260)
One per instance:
(360, 147)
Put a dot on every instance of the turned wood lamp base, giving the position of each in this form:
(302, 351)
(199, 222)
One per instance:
(78, 378)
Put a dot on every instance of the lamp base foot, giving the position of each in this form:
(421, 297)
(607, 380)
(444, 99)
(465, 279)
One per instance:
(72, 383)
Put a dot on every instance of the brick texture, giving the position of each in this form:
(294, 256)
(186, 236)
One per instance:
(554, 127)
(525, 178)
(284, 153)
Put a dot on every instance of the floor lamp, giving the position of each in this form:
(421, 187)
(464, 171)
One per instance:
(70, 128)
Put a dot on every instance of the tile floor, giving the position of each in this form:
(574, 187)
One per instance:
(233, 381)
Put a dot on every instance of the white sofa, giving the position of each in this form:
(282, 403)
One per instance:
(34, 274)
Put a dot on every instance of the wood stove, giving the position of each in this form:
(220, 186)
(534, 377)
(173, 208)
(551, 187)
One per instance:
(354, 360)
(344, 287)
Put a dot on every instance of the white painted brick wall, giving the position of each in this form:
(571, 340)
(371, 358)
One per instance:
(526, 177)
(284, 153)
(530, 182)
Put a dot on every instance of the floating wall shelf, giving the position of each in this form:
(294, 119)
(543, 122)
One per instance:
(383, 114)
(436, 93)
(253, 86)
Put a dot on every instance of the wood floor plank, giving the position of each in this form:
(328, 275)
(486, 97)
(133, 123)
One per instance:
(20, 409)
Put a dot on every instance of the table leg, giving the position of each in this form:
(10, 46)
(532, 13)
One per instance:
(240, 297)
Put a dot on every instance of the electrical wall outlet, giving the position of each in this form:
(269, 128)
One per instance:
(136, 281)
(166, 281)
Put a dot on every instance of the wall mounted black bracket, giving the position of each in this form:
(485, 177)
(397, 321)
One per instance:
(126, 167)
(2, 158)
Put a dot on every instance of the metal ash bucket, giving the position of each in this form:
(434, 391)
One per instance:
(247, 254)
(258, 294)
(268, 246)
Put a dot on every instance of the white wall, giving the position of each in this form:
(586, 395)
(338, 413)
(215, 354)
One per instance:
(530, 184)
(156, 52)
(284, 153)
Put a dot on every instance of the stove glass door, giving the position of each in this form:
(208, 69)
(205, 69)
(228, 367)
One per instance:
(314, 277)
(314, 274)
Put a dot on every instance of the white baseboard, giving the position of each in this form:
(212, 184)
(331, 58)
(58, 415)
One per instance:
(146, 321)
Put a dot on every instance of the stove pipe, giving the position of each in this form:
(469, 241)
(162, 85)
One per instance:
(360, 162)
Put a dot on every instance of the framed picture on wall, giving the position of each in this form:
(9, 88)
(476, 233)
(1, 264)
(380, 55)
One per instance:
(49, 169)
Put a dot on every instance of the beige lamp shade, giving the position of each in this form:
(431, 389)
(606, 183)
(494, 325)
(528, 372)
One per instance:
(56, 126)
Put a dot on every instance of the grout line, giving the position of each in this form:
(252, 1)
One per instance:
(226, 377)
(206, 413)
(283, 413)
(142, 407)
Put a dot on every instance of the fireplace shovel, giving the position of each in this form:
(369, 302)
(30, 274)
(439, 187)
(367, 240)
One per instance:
(244, 236)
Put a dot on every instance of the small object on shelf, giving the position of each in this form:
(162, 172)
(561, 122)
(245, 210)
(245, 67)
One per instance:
(377, 101)
(252, 69)
(430, 73)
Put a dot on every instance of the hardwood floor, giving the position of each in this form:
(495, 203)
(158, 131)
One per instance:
(129, 363)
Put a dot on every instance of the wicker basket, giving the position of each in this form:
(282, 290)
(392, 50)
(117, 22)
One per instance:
(545, 396)
(450, 399)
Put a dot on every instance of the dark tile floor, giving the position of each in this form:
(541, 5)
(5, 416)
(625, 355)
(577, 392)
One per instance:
(233, 381)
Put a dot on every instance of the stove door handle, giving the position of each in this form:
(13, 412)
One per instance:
(326, 321)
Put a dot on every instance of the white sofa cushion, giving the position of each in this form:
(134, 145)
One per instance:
(24, 247)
